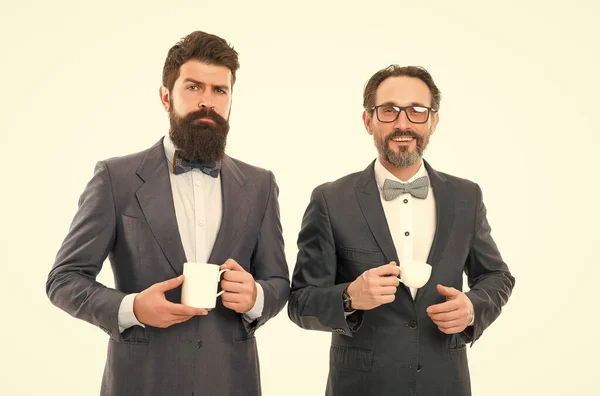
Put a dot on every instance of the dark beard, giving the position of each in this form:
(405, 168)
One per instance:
(403, 158)
(199, 142)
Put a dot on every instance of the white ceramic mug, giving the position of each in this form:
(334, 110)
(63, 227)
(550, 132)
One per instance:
(414, 273)
(199, 289)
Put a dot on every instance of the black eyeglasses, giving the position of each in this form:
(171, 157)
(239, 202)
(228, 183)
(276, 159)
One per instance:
(415, 114)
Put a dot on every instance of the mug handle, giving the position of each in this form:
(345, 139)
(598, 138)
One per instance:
(398, 277)
(221, 273)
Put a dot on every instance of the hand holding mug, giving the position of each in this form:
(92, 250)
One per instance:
(374, 287)
(239, 287)
(150, 307)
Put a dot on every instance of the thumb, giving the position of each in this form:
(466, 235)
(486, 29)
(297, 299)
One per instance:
(449, 292)
(169, 284)
(231, 264)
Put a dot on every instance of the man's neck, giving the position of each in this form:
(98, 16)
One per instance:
(402, 173)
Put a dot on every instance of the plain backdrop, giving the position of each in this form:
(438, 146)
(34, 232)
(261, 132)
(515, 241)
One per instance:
(519, 81)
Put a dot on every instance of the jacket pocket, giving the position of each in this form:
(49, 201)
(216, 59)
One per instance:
(132, 335)
(350, 358)
(242, 335)
(360, 255)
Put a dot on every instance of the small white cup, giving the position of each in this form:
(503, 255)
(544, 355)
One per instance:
(199, 289)
(414, 273)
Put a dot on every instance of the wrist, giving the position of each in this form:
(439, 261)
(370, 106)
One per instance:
(347, 301)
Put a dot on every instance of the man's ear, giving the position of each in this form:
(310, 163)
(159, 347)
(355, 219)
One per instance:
(165, 97)
(367, 121)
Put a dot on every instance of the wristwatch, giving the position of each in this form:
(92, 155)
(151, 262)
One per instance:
(347, 301)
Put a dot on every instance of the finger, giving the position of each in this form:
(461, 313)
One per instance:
(180, 309)
(229, 297)
(232, 287)
(451, 324)
(452, 330)
(387, 290)
(237, 276)
(388, 298)
(202, 312)
(237, 307)
(387, 270)
(232, 265)
(170, 320)
(448, 306)
(388, 281)
(169, 284)
(179, 319)
(447, 316)
(447, 291)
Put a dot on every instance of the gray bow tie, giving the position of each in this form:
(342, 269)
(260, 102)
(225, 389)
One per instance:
(418, 188)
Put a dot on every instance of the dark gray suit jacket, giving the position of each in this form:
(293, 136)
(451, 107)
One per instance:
(394, 349)
(127, 213)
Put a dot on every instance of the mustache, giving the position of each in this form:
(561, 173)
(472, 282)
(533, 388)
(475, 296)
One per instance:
(204, 113)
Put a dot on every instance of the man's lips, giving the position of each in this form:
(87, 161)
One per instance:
(205, 119)
(403, 140)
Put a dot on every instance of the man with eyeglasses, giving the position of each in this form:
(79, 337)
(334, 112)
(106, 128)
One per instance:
(389, 339)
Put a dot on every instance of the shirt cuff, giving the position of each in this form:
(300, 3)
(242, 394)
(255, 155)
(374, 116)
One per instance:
(126, 317)
(256, 311)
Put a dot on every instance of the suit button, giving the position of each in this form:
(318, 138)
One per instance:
(199, 344)
(419, 367)
(412, 324)
(405, 201)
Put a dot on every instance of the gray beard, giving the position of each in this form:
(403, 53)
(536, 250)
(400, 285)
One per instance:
(403, 158)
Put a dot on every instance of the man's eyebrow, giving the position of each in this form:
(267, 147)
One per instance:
(188, 79)
(390, 103)
(193, 81)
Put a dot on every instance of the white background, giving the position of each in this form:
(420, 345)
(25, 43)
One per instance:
(519, 81)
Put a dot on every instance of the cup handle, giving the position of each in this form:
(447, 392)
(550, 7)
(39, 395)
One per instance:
(399, 266)
(221, 273)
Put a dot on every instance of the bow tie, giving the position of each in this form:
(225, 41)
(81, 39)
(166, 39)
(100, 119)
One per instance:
(181, 166)
(418, 188)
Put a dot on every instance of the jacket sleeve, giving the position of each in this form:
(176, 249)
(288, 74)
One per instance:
(490, 280)
(269, 265)
(316, 301)
(71, 283)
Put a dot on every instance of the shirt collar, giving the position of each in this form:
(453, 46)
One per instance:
(169, 149)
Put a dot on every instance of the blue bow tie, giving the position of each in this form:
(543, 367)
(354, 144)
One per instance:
(181, 166)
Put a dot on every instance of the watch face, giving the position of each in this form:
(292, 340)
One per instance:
(347, 300)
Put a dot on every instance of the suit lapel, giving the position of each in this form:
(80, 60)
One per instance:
(444, 207)
(369, 200)
(235, 197)
(156, 200)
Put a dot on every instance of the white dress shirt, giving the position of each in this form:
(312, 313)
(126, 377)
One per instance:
(411, 220)
(198, 209)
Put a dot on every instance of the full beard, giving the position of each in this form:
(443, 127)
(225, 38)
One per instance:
(199, 141)
(404, 157)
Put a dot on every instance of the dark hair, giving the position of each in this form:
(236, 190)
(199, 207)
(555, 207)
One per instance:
(398, 71)
(203, 47)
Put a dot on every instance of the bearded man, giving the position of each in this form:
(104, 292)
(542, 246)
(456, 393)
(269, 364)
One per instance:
(182, 200)
(399, 215)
